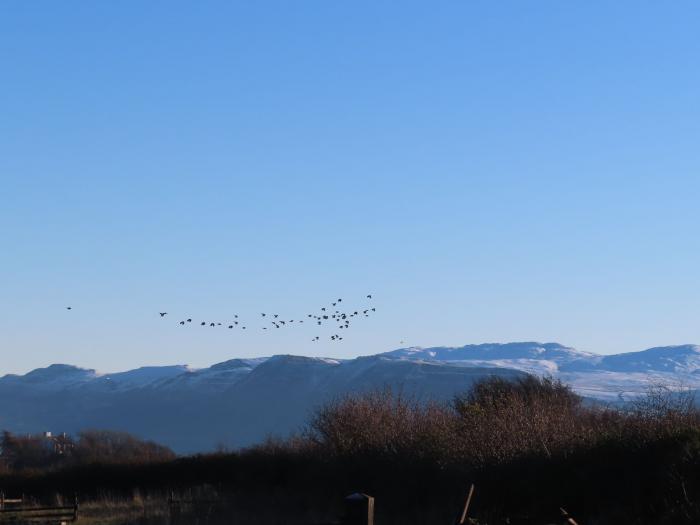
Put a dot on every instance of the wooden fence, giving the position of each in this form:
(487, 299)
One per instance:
(16, 511)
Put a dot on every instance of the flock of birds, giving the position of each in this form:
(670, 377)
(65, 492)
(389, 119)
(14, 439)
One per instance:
(332, 314)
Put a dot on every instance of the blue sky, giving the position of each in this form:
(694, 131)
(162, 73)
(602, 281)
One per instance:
(490, 171)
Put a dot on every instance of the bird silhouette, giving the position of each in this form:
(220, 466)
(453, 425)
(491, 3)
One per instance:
(69, 307)
(341, 318)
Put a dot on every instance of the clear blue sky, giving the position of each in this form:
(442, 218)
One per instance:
(491, 171)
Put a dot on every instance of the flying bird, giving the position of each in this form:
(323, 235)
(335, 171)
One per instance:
(163, 314)
(69, 307)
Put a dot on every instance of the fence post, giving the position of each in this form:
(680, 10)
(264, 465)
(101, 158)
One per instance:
(75, 507)
(568, 520)
(465, 510)
(359, 510)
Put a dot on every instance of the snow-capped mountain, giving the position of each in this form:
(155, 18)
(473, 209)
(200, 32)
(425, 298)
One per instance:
(236, 403)
(241, 401)
(216, 378)
(541, 358)
(609, 377)
(682, 359)
(139, 377)
(52, 378)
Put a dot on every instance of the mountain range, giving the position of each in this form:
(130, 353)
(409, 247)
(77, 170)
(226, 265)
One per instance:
(242, 401)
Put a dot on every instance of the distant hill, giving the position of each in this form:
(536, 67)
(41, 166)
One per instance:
(241, 401)
(236, 403)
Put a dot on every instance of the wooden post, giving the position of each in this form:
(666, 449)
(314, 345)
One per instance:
(568, 520)
(75, 507)
(465, 510)
(359, 510)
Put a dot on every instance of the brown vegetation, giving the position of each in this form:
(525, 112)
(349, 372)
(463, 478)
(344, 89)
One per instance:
(39, 452)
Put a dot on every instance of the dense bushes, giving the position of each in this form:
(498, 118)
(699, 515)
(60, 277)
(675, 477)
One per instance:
(40, 452)
(497, 421)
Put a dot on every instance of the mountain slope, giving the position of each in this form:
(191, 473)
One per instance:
(236, 403)
(241, 401)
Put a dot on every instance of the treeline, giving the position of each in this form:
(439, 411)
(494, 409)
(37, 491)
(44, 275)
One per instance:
(46, 452)
(530, 446)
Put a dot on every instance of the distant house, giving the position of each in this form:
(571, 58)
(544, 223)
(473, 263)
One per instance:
(62, 444)
(34, 450)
